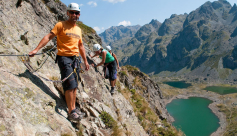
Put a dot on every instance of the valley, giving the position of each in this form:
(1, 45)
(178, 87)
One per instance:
(223, 106)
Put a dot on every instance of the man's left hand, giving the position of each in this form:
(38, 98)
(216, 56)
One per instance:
(87, 66)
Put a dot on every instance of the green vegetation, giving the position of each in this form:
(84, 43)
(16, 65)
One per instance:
(54, 78)
(86, 29)
(2, 128)
(133, 91)
(231, 117)
(118, 86)
(148, 119)
(124, 73)
(116, 131)
(110, 123)
(107, 119)
(138, 83)
(80, 132)
(131, 68)
(146, 116)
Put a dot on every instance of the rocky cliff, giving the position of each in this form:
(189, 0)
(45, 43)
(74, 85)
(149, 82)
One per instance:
(31, 105)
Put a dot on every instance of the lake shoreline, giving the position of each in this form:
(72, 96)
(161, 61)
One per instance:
(212, 106)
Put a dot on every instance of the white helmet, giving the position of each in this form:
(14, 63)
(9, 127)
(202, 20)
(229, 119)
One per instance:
(96, 47)
(73, 6)
(108, 48)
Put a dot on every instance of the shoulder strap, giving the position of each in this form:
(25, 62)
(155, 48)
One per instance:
(113, 54)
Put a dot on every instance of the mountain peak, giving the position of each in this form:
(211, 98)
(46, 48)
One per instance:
(173, 15)
(221, 4)
(154, 21)
(233, 9)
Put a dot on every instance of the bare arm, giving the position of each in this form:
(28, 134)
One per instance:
(94, 55)
(42, 43)
(116, 60)
(83, 55)
(103, 59)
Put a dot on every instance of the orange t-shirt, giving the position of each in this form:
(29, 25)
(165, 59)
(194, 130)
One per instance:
(68, 38)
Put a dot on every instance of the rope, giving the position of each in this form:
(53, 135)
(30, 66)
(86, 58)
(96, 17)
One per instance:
(20, 55)
(27, 54)
(41, 64)
(25, 59)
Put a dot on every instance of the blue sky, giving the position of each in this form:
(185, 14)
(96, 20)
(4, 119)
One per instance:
(102, 14)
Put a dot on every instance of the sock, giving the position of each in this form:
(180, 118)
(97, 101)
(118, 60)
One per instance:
(73, 111)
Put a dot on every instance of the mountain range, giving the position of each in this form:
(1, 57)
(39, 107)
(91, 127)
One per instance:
(200, 46)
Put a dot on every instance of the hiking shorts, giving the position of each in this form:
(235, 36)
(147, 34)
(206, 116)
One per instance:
(112, 67)
(66, 66)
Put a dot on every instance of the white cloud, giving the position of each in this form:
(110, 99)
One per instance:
(96, 28)
(92, 3)
(125, 23)
(115, 1)
(80, 5)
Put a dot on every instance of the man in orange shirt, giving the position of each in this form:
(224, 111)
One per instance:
(69, 44)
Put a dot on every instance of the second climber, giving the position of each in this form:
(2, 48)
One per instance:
(109, 62)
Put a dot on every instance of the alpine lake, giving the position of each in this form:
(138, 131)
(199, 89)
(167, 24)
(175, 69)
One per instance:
(192, 116)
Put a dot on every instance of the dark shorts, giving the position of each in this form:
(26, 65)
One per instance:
(66, 67)
(112, 67)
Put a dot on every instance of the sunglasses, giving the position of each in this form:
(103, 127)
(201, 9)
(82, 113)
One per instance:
(77, 13)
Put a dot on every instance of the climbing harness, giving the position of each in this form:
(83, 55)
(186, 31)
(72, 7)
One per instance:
(76, 65)
(76, 62)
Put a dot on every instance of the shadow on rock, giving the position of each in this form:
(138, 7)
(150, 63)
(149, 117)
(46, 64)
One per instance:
(60, 102)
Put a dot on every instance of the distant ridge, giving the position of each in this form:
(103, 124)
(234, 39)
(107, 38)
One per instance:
(199, 46)
(118, 36)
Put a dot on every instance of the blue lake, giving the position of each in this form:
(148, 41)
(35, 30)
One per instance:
(178, 84)
(221, 89)
(193, 116)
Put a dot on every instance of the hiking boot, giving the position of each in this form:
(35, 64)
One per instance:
(73, 116)
(112, 90)
(79, 112)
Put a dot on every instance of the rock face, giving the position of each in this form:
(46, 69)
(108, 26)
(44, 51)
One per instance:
(152, 93)
(200, 45)
(30, 105)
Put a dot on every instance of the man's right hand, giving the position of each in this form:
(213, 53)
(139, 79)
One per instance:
(87, 66)
(42, 43)
(32, 53)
